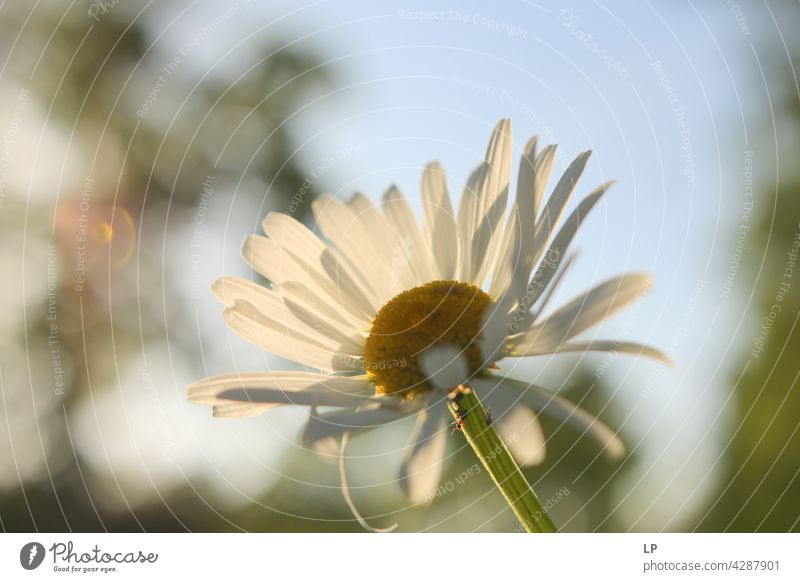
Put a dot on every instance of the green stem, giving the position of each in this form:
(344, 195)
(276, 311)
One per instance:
(492, 451)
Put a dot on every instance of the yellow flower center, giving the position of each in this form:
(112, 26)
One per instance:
(435, 314)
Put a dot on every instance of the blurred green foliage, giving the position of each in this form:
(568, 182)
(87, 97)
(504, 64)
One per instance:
(760, 485)
(151, 129)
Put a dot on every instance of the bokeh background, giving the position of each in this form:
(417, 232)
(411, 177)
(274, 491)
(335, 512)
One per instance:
(142, 141)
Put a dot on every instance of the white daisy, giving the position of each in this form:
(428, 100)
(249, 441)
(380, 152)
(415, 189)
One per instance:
(395, 315)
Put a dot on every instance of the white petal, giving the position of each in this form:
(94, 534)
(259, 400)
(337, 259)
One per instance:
(311, 396)
(518, 252)
(440, 223)
(281, 265)
(493, 236)
(231, 289)
(557, 203)
(519, 239)
(211, 390)
(521, 431)
(350, 343)
(492, 197)
(585, 311)
(207, 390)
(255, 327)
(559, 408)
(509, 257)
(281, 323)
(349, 288)
(558, 248)
(347, 232)
(554, 284)
(543, 168)
(396, 251)
(324, 332)
(299, 241)
(526, 315)
(467, 220)
(526, 200)
(421, 470)
(240, 409)
(621, 347)
(302, 295)
(276, 264)
(400, 215)
(292, 234)
(498, 158)
(445, 366)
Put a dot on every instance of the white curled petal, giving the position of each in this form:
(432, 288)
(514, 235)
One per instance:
(346, 492)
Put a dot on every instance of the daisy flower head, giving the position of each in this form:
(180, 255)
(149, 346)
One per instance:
(397, 317)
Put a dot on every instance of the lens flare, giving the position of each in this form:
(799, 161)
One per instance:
(102, 233)
(105, 235)
(120, 236)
